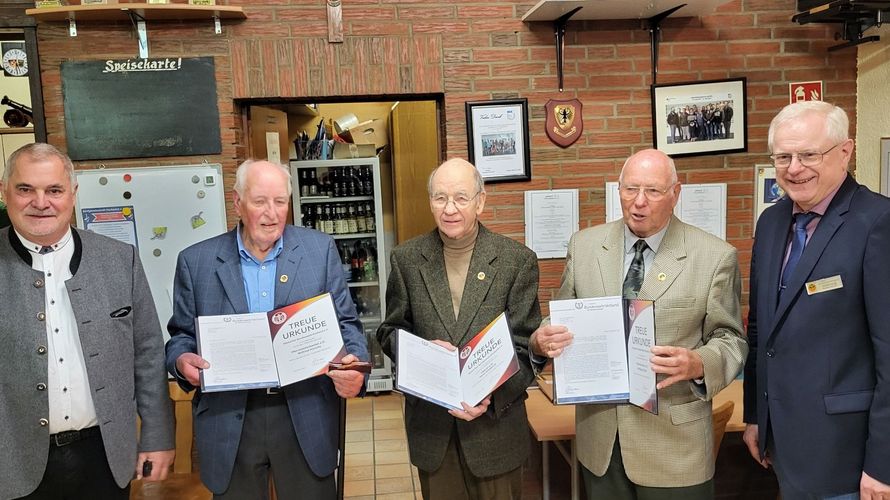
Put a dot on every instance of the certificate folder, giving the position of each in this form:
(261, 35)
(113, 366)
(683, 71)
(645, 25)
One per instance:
(608, 359)
(469, 374)
(273, 349)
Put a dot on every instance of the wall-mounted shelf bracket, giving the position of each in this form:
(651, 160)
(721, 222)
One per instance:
(856, 16)
(141, 33)
(654, 24)
(559, 31)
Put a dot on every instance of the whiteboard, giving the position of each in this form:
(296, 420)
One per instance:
(161, 210)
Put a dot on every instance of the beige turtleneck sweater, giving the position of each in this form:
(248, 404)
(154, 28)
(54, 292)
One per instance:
(457, 262)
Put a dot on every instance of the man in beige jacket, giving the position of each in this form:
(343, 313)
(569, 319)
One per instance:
(693, 277)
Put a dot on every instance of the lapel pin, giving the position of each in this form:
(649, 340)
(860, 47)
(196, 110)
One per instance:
(480, 276)
(662, 276)
(283, 278)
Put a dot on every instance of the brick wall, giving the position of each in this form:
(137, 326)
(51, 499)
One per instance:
(474, 50)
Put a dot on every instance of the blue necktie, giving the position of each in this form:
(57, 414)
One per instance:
(634, 279)
(798, 242)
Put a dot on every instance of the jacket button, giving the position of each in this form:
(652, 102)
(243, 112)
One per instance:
(41, 349)
(41, 386)
(764, 395)
(41, 316)
(44, 422)
(239, 416)
(38, 283)
(770, 353)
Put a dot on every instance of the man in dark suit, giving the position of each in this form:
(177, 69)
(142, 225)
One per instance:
(264, 264)
(817, 380)
(82, 347)
(446, 286)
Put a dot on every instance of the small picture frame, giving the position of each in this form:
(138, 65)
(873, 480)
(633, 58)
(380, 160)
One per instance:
(700, 118)
(766, 189)
(497, 139)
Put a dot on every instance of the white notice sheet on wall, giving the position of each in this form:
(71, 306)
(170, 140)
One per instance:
(551, 217)
(700, 205)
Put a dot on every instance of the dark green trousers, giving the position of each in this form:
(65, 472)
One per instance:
(454, 481)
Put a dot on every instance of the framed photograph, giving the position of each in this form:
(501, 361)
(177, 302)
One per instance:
(497, 139)
(700, 118)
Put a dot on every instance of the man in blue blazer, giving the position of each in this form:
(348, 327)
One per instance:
(261, 265)
(817, 380)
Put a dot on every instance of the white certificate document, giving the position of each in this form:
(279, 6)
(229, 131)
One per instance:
(703, 206)
(551, 217)
(469, 374)
(278, 348)
(640, 339)
(239, 350)
(593, 368)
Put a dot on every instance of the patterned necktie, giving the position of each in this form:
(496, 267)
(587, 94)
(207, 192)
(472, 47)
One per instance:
(45, 250)
(634, 279)
(798, 242)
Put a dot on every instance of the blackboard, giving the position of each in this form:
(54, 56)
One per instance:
(137, 108)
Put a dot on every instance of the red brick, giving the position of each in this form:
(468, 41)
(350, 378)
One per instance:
(500, 55)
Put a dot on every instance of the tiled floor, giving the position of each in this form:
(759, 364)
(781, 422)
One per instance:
(377, 465)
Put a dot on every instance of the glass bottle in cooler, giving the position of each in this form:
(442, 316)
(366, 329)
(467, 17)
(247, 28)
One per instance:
(328, 220)
(370, 268)
(337, 187)
(304, 182)
(313, 183)
(370, 223)
(351, 218)
(360, 226)
(345, 260)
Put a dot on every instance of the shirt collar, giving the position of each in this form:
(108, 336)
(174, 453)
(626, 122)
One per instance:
(245, 253)
(653, 241)
(34, 248)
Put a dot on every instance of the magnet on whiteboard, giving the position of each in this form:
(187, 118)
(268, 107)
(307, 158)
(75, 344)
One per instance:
(195, 179)
(197, 221)
(103, 180)
(159, 232)
(201, 194)
(156, 252)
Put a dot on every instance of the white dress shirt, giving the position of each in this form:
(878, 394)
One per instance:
(70, 398)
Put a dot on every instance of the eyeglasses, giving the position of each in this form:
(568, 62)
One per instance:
(460, 200)
(628, 193)
(807, 159)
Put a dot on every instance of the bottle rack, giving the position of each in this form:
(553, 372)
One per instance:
(343, 198)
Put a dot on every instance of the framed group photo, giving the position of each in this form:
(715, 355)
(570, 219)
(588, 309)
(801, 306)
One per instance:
(700, 118)
(497, 139)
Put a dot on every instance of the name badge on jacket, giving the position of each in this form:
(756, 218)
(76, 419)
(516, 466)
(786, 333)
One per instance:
(825, 285)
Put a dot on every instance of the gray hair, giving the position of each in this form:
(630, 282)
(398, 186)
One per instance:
(652, 152)
(39, 151)
(244, 168)
(837, 125)
(477, 177)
